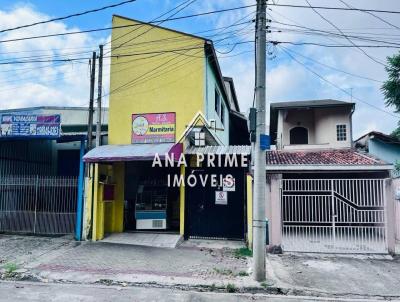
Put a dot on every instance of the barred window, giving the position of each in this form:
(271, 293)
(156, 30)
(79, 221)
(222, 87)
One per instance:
(341, 133)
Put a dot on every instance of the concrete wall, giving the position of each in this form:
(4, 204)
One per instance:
(211, 85)
(390, 153)
(321, 124)
(159, 82)
(326, 120)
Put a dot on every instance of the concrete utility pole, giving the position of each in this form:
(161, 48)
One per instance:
(91, 101)
(259, 224)
(99, 91)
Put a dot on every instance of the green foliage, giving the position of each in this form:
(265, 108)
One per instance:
(231, 288)
(264, 284)
(396, 133)
(397, 166)
(243, 252)
(243, 274)
(391, 87)
(10, 267)
(223, 271)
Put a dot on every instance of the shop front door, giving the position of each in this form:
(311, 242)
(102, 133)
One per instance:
(215, 212)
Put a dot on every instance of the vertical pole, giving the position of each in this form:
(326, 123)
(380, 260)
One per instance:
(36, 200)
(99, 91)
(91, 101)
(79, 204)
(333, 213)
(259, 222)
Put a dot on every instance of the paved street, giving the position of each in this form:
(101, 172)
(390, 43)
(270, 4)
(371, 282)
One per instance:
(196, 266)
(39, 292)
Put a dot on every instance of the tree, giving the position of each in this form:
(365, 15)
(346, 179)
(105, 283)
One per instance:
(391, 87)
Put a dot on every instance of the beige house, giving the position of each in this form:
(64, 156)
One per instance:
(323, 195)
(312, 124)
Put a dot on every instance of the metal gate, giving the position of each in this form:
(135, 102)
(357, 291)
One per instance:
(333, 215)
(210, 219)
(38, 204)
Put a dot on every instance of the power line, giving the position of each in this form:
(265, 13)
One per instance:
(331, 67)
(68, 16)
(347, 38)
(334, 45)
(180, 7)
(372, 14)
(336, 8)
(125, 26)
(320, 31)
(338, 87)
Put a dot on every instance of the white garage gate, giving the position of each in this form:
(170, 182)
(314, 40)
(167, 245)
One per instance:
(334, 215)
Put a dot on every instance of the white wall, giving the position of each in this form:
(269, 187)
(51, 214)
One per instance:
(325, 126)
(321, 124)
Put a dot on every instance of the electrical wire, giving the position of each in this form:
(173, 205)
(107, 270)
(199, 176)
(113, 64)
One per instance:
(347, 38)
(125, 26)
(338, 87)
(330, 67)
(68, 16)
(336, 8)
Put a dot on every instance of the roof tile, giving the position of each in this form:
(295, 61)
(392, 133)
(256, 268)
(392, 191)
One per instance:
(321, 157)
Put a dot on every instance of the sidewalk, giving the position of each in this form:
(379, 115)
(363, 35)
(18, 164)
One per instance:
(336, 275)
(209, 266)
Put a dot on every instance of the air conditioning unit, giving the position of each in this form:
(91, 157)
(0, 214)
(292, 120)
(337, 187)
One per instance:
(151, 224)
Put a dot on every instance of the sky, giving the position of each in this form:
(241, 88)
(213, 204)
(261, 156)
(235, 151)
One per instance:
(294, 72)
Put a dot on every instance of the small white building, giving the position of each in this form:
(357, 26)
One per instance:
(323, 195)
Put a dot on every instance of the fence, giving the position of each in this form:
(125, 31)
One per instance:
(396, 186)
(334, 215)
(38, 204)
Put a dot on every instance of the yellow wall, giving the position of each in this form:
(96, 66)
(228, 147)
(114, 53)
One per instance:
(114, 212)
(249, 181)
(153, 82)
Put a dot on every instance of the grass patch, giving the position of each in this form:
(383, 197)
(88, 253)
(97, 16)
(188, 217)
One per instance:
(264, 284)
(223, 271)
(243, 274)
(10, 269)
(243, 252)
(231, 288)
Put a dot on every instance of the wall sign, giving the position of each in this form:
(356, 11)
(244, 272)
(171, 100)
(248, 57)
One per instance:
(221, 197)
(228, 185)
(30, 125)
(153, 128)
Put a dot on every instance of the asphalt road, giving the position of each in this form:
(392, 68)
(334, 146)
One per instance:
(27, 291)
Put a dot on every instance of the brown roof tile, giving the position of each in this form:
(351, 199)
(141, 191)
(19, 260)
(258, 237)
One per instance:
(321, 157)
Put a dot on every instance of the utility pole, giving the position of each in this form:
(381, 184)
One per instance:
(259, 223)
(91, 101)
(99, 91)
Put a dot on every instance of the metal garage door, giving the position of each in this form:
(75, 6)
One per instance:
(333, 215)
(208, 218)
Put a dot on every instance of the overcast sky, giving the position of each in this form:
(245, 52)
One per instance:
(66, 84)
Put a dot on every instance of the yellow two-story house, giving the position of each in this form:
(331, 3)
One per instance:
(166, 94)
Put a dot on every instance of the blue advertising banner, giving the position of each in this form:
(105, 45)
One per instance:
(30, 125)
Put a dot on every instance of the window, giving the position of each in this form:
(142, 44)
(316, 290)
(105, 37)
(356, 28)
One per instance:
(217, 102)
(199, 139)
(341, 133)
(222, 114)
(299, 136)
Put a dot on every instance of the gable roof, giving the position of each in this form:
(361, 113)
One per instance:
(378, 135)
